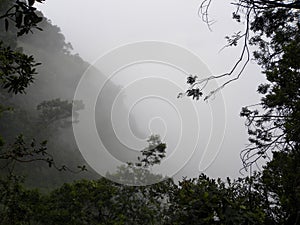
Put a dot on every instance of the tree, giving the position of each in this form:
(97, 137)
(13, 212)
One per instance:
(204, 200)
(251, 14)
(139, 173)
(281, 179)
(17, 69)
(17, 204)
(106, 202)
(273, 28)
(17, 72)
(273, 124)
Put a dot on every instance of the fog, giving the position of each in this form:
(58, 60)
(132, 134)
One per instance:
(138, 97)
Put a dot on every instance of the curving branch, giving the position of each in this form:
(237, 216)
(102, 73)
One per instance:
(204, 14)
(252, 154)
(266, 4)
(22, 152)
(251, 8)
(267, 131)
(197, 86)
(267, 127)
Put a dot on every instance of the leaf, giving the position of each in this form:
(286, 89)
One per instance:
(6, 24)
(26, 20)
(180, 95)
(31, 2)
(19, 19)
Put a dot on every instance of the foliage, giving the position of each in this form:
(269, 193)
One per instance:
(23, 15)
(194, 201)
(17, 205)
(260, 19)
(16, 74)
(261, 199)
(19, 151)
(139, 173)
(93, 202)
(59, 113)
(30, 116)
(154, 153)
(104, 202)
(207, 201)
(275, 125)
(17, 70)
(281, 178)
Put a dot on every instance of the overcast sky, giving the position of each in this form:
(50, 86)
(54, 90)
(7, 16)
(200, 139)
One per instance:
(95, 27)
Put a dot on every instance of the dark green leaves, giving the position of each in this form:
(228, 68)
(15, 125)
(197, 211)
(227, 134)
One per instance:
(191, 79)
(31, 2)
(23, 16)
(18, 19)
(17, 70)
(154, 153)
(6, 24)
(236, 17)
(195, 93)
(263, 88)
(58, 112)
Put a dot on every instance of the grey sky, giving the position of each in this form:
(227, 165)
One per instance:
(94, 27)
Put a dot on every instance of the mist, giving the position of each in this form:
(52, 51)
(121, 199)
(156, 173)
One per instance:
(129, 97)
(177, 23)
(149, 112)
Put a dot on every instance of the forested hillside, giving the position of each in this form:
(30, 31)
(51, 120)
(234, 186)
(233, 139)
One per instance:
(44, 111)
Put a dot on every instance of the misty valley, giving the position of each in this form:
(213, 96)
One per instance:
(81, 146)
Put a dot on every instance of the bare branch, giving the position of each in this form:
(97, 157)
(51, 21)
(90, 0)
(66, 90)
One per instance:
(268, 130)
(203, 13)
(21, 152)
(242, 61)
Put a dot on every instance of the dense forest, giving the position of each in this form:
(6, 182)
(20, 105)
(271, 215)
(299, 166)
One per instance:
(45, 180)
(45, 111)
